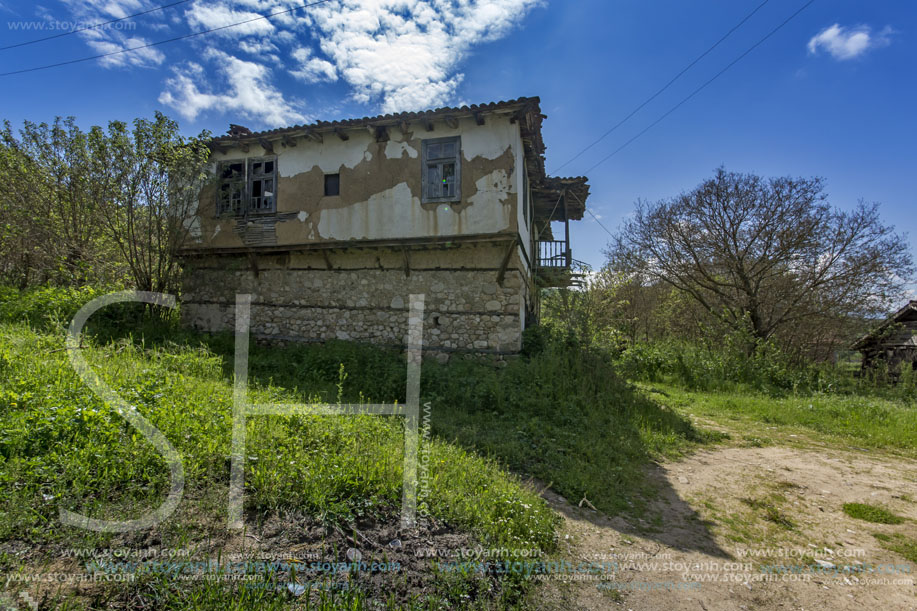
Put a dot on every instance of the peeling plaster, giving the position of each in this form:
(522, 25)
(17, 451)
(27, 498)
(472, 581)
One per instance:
(395, 150)
(492, 189)
(330, 155)
(368, 206)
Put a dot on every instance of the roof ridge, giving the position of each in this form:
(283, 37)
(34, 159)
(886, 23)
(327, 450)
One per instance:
(535, 101)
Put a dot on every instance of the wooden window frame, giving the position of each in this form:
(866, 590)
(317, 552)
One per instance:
(247, 182)
(425, 161)
(325, 185)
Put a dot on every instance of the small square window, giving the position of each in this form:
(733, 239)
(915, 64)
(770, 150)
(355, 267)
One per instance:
(332, 184)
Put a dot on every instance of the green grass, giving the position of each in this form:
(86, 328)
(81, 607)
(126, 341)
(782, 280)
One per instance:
(770, 509)
(900, 544)
(564, 417)
(560, 415)
(863, 421)
(871, 513)
(61, 446)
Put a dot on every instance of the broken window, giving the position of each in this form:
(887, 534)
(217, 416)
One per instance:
(441, 169)
(262, 178)
(231, 191)
(247, 186)
(332, 184)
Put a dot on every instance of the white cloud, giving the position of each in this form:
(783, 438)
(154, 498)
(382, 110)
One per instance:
(249, 93)
(397, 54)
(207, 16)
(404, 53)
(117, 36)
(847, 43)
(258, 46)
(149, 56)
(312, 69)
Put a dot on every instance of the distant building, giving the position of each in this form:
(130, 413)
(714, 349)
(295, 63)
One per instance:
(893, 342)
(330, 227)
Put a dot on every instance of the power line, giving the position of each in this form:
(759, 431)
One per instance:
(599, 222)
(94, 26)
(162, 42)
(664, 87)
(699, 89)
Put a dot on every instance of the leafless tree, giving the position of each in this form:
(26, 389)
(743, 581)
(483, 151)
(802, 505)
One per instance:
(767, 256)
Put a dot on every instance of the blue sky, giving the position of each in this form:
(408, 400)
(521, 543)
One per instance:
(832, 94)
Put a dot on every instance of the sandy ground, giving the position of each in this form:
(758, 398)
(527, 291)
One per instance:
(687, 551)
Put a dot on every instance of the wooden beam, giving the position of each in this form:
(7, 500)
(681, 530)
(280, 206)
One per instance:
(518, 115)
(379, 132)
(407, 262)
(253, 261)
(266, 145)
(341, 134)
(451, 121)
(503, 264)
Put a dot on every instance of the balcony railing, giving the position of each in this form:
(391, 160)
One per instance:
(554, 254)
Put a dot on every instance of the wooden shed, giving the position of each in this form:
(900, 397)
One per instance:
(894, 342)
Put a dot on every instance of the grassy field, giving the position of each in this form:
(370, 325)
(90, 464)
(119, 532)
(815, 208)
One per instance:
(61, 446)
(839, 419)
(560, 416)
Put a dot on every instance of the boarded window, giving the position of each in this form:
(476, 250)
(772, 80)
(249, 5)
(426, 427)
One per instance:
(442, 176)
(332, 184)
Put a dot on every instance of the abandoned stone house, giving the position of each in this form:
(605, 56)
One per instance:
(331, 226)
(894, 342)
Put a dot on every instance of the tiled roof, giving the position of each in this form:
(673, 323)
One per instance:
(238, 132)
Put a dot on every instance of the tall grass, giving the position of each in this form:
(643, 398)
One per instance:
(727, 367)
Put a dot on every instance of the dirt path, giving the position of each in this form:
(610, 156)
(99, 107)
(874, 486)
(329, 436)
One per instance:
(726, 517)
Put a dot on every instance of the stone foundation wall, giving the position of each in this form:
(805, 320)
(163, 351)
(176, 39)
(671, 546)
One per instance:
(364, 297)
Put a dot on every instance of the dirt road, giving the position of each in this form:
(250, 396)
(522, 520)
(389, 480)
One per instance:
(747, 528)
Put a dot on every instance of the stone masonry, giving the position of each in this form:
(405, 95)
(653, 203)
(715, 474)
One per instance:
(364, 297)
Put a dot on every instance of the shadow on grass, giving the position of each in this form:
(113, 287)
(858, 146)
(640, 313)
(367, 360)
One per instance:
(561, 416)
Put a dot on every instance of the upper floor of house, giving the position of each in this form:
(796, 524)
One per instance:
(449, 174)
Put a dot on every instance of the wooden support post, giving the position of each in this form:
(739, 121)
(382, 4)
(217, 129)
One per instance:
(253, 261)
(568, 256)
(503, 264)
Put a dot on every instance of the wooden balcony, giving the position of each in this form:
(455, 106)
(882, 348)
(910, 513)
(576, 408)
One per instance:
(553, 264)
(554, 254)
